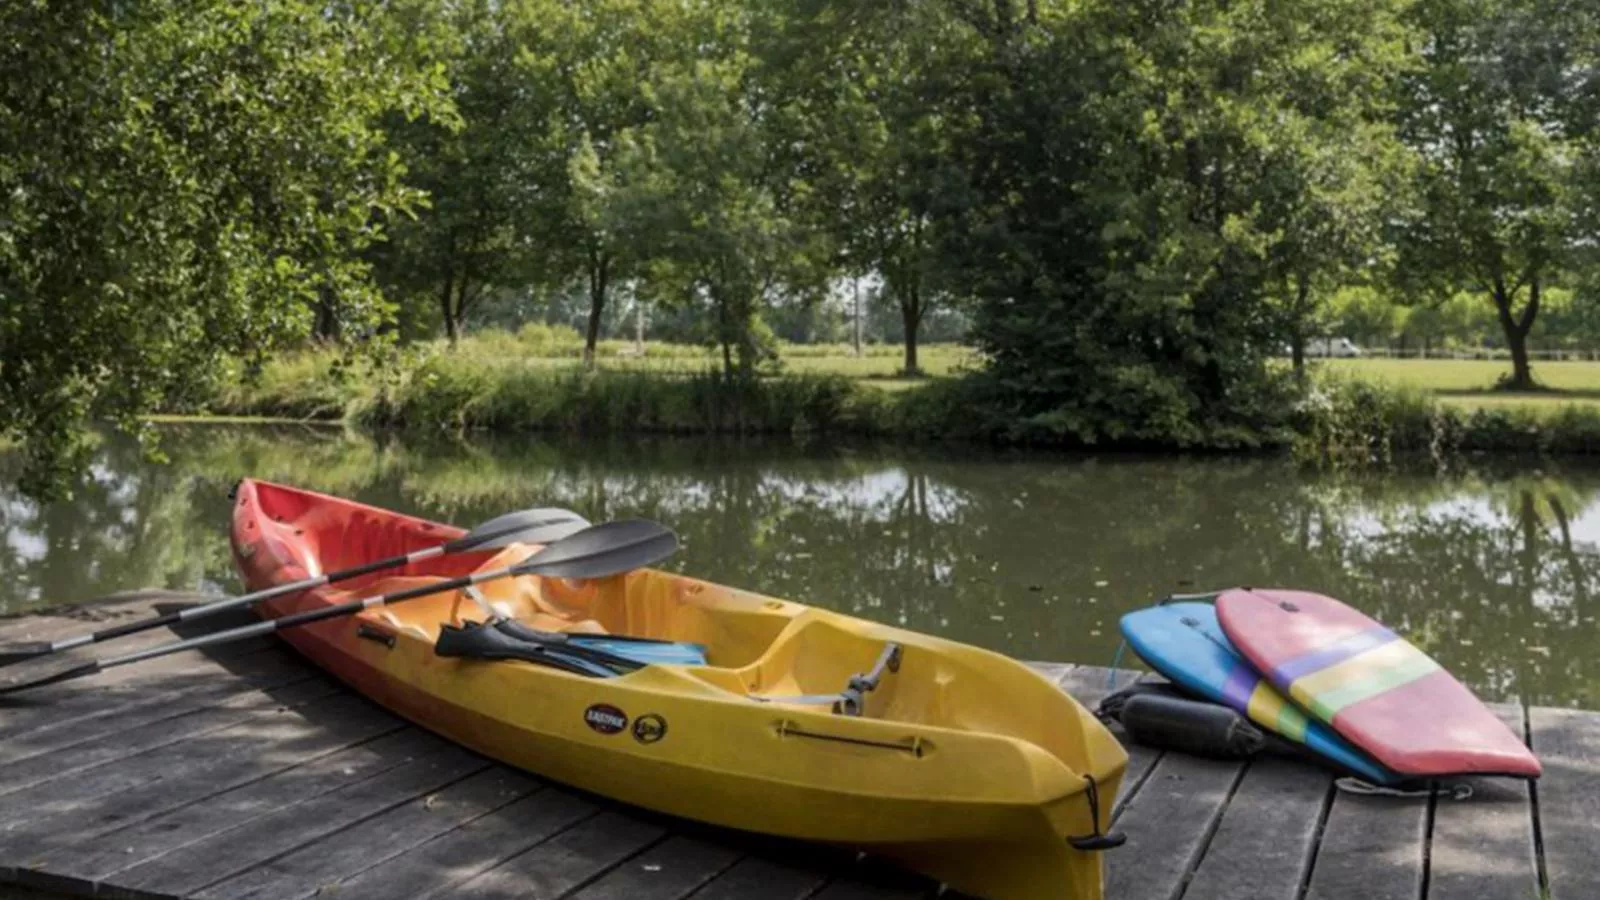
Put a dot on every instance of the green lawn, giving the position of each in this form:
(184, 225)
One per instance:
(879, 364)
(1470, 382)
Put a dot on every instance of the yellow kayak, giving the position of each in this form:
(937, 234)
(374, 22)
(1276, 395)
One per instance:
(762, 714)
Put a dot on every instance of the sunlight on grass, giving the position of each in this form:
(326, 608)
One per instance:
(1463, 374)
(1469, 383)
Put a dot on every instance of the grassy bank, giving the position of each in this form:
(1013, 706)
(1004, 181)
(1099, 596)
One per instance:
(1359, 412)
(1352, 422)
(1470, 383)
(535, 378)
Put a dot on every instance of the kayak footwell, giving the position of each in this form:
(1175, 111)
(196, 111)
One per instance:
(248, 771)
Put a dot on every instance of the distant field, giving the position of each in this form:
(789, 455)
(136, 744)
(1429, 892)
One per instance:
(1470, 382)
(880, 364)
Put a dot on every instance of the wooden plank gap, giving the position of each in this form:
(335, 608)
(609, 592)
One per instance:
(1149, 761)
(1210, 831)
(1316, 839)
(1429, 820)
(322, 864)
(1539, 863)
(596, 876)
(202, 863)
(343, 827)
(1482, 848)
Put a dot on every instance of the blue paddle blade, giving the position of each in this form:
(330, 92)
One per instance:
(680, 653)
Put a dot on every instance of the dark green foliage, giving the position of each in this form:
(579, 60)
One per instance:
(1128, 206)
(1132, 214)
(1355, 424)
(181, 181)
(449, 395)
(1495, 114)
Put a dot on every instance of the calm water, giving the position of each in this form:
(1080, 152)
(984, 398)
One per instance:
(1494, 573)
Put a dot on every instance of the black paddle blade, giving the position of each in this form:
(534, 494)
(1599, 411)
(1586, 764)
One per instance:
(33, 677)
(16, 653)
(606, 549)
(529, 526)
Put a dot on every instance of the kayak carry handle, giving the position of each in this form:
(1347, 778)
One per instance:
(1099, 840)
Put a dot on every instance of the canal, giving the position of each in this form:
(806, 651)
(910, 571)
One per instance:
(1493, 569)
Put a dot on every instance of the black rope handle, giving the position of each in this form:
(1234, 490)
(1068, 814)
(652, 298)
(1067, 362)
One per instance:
(1099, 840)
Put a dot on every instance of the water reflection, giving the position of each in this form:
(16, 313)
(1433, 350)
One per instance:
(1493, 574)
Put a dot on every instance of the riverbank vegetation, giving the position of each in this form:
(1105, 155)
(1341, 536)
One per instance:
(1350, 413)
(1128, 214)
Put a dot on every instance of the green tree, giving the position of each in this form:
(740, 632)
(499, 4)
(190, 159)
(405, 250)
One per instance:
(1486, 116)
(600, 57)
(1365, 315)
(1340, 183)
(1137, 172)
(872, 106)
(1460, 318)
(713, 211)
(488, 165)
(180, 181)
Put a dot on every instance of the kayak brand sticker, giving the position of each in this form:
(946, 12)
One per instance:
(605, 718)
(648, 729)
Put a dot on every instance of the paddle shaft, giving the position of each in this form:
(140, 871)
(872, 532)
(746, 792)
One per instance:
(189, 614)
(316, 615)
(596, 552)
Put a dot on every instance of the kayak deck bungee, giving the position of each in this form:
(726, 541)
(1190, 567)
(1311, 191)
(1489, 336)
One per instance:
(954, 761)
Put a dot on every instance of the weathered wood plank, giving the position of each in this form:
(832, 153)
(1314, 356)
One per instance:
(33, 804)
(140, 842)
(71, 724)
(1088, 684)
(230, 762)
(1372, 848)
(566, 862)
(186, 724)
(63, 619)
(1267, 836)
(670, 870)
(1053, 671)
(1483, 848)
(1568, 795)
(202, 863)
(1168, 823)
(757, 877)
(438, 866)
(358, 848)
(1141, 762)
(56, 705)
(873, 883)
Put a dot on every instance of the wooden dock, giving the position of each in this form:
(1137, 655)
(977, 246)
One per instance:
(247, 773)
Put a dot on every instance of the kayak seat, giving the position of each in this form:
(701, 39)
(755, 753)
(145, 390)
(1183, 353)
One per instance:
(851, 700)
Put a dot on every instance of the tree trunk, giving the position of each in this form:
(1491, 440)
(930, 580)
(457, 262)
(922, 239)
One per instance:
(726, 339)
(448, 307)
(1516, 328)
(1297, 339)
(911, 318)
(858, 315)
(327, 323)
(599, 275)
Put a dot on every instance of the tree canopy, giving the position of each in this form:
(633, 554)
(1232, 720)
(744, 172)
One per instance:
(184, 180)
(1131, 205)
